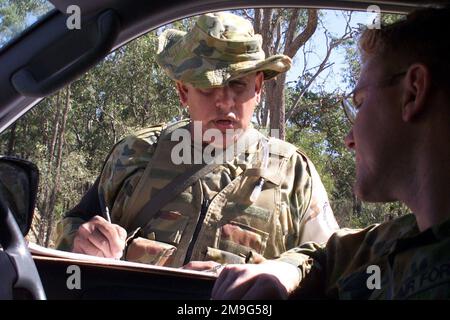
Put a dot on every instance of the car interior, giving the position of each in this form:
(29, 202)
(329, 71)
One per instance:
(43, 59)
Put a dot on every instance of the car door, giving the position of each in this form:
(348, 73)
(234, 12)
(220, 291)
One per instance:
(53, 53)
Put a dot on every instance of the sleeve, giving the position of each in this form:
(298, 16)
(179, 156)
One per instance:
(86, 209)
(305, 211)
(321, 266)
(318, 222)
(121, 172)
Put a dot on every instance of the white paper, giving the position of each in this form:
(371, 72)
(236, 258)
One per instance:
(39, 251)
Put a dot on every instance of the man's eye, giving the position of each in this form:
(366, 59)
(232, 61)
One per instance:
(206, 92)
(238, 84)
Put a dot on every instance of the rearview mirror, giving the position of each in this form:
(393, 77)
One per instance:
(18, 189)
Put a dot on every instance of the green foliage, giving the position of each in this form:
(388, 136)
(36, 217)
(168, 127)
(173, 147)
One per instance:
(124, 93)
(351, 49)
(121, 95)
(16, 15)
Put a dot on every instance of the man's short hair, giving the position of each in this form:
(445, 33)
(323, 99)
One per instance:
(423, 37)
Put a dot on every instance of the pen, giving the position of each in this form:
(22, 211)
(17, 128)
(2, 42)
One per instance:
(104, 207)
(265, 162)
(107, 216)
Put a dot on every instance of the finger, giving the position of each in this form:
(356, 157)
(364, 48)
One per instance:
(98, 219)
(80, 241)
(122, 233)
(84, 246)
(187, 266)
(263, 288)
(222, 277)
(255, 292)
(101, 242)
(101, 234)
(115, 235)
(201, 265)
(240, 279)
(93, 251)
(222, 286)
(77, 248)
(115, 243)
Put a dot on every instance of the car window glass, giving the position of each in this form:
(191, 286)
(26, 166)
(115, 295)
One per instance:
(70, 133)
(18, 15)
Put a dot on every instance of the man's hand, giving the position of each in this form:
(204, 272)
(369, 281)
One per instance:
(201, 265)
(98, 237)
(268, 280)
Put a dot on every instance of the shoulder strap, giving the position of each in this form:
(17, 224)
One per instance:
(170, 191)
(178, 185)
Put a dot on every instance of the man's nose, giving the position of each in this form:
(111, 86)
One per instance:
(225, 99)
(349, 141)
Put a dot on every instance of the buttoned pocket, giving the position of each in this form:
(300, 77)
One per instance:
(150, 252)
(240, 239)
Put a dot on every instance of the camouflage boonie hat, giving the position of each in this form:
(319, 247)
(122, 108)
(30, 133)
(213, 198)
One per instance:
(219, 48)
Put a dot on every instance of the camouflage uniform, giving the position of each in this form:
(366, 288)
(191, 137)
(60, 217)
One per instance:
(214, 218)
(292, 208)
(412, 264)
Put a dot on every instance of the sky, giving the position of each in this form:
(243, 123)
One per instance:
(334, 21)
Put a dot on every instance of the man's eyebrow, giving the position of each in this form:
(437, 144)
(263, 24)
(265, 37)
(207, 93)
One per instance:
(241, 78)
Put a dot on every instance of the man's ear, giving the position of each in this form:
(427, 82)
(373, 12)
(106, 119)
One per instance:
(259, 80)
(417, 90)
(182, 90)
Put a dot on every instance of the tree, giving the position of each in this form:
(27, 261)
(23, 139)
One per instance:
(279, 29)
(15, 16)
(71, 133)
(48, 214)
(286, 31)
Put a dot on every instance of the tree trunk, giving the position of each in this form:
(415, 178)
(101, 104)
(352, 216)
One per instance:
(12, 140)
(276, 101)
(56, 184)
(357, 206)
(55, 130)
(47, 181)
(268, 22)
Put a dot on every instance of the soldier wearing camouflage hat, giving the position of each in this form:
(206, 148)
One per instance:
(262, 201)
(401, 138)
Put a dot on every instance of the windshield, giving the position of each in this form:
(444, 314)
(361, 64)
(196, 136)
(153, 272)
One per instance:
(18, 15)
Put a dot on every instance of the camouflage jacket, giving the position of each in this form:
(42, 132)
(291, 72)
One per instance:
(392, 260)
(213, 219)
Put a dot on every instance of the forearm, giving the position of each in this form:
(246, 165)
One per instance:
(303, 256)
(84, 211)
(65, 232)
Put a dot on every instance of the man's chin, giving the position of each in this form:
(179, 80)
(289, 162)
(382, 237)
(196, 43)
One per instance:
(369, 192)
